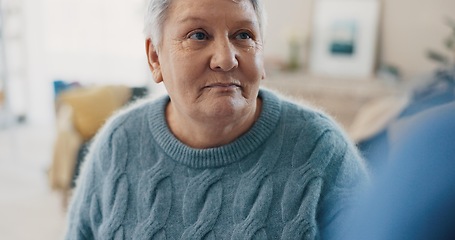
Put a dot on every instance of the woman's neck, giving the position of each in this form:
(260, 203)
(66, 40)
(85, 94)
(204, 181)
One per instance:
(201, 134)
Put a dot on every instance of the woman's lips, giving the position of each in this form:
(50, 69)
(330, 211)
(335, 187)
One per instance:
(223, 85)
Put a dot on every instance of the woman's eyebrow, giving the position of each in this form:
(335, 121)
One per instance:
(247, 22)
(190, 19)
(241, 22)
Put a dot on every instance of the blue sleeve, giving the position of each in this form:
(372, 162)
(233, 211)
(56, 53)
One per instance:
(79, 223)
(84, 211)
(345, 177)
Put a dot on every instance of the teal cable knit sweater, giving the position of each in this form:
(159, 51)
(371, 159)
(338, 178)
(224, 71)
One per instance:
(289, 177)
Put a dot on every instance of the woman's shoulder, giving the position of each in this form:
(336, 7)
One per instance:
(310, 129)
(128, 119)
(301, 113)
(122, 130)
(324, 137)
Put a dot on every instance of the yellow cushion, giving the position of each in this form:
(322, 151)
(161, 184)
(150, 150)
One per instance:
(92, 106)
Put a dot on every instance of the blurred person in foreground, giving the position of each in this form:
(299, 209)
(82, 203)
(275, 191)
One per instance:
(218, 157)
(414, 196)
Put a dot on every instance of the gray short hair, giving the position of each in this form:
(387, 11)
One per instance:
(155, 16)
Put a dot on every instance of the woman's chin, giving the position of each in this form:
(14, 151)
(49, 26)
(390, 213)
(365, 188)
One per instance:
(226, 106)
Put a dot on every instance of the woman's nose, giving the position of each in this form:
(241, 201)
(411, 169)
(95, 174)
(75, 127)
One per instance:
(224, 57)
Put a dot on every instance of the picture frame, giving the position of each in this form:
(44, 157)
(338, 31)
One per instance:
(344, 38)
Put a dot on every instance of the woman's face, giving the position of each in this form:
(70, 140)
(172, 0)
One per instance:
(210, 57)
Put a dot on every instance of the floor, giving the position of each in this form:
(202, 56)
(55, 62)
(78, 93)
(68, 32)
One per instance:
(29, 209)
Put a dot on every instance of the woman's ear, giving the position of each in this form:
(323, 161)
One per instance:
(153, 60)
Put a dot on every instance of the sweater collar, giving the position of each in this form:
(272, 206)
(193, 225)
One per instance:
(218, 156)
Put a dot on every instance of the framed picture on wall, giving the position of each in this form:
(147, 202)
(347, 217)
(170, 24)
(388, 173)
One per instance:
(344, 37)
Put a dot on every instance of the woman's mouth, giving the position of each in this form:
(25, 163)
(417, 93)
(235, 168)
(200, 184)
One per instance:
(223, 86)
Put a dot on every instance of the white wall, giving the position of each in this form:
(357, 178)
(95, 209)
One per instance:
(286, 19)
(95, 41)
(92, 42)
(410, 28)
(39, 85)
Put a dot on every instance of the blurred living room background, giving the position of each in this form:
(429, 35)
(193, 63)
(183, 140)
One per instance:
(67, 65)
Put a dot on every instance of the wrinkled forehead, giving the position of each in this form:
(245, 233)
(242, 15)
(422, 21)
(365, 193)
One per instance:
(184, 8)
(208, 3)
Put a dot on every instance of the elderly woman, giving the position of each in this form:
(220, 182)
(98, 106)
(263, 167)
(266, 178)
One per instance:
(218, 158)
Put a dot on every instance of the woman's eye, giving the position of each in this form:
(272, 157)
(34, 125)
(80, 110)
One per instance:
(198, 36)
(243, 35)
